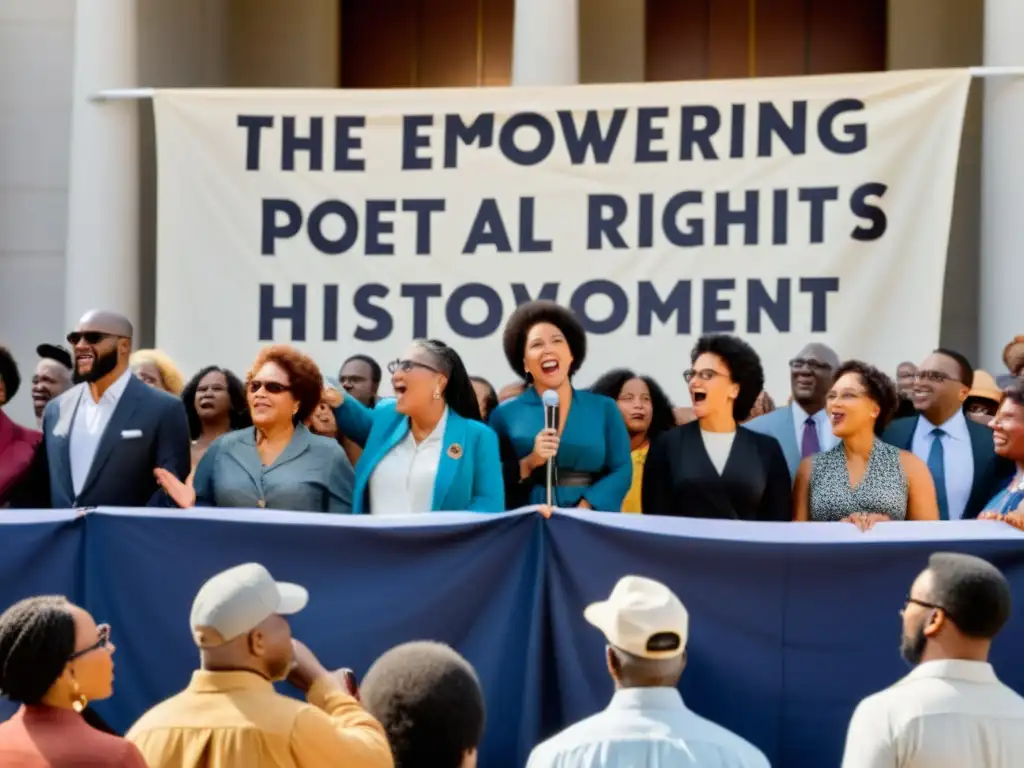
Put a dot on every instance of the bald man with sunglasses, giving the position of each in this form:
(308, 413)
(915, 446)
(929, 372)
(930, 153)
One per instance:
(103, 438)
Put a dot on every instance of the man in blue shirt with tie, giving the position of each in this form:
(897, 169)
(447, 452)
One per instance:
(646, 723)
(959, 453)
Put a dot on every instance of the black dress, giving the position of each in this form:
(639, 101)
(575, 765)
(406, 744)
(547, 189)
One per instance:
(681, 480)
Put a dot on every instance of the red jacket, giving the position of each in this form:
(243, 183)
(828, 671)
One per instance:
(17, 449)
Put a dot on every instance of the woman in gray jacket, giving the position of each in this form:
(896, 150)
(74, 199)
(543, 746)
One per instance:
(278, 463)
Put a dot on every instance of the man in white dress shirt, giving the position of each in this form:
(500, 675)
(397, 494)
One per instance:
(647, 723)
(951, 711)
(959, 453)
(803, 428)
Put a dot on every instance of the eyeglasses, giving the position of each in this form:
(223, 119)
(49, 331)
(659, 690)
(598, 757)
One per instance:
(91, 337)
(407, 365)
(103, 635)
(937, 377)
(272, 387)
(799, 363)
(704, 374)
(932, 606)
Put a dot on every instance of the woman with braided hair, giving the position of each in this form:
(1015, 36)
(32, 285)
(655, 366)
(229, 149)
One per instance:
(54, 660)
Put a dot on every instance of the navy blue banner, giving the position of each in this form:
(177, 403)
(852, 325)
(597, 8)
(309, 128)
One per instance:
(791, 625)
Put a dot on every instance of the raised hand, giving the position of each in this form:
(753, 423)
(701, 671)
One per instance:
(182, 494)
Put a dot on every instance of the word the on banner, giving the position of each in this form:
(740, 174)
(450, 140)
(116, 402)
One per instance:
(785, 210)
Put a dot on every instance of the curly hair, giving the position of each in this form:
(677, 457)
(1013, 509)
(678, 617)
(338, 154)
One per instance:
(744, 366)
(37, 638)
(491, 401)
(9, 374)
(662, 417)
(880, 388)
(459, 394)
(533, 313)
(238, 415)
(173, 381)
(429, 701)
(304, 377)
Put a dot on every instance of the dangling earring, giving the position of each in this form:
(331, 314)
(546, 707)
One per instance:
(79, 702)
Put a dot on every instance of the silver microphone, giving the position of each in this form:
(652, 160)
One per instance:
(550, 400)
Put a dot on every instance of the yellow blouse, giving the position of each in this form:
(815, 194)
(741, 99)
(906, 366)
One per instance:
(632, 503)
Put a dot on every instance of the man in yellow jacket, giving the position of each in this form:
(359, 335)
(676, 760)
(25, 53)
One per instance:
(230, 714)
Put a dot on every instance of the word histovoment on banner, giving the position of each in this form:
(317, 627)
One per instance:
(783, 209)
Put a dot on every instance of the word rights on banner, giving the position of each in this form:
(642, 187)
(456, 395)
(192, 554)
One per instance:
(784, 210)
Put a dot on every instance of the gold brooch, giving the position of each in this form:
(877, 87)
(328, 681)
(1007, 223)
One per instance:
(455, 451)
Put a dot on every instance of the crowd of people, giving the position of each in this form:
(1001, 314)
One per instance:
(123, 427)
(421, 705)
(118, 427)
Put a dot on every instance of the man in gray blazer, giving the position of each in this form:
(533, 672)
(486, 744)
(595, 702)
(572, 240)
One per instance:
(802, 428)
(103, 438)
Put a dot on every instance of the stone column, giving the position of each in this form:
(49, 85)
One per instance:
(545, 42)
(102, 261)
(1002, 184)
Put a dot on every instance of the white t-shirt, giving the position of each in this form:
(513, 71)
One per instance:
(719, 446)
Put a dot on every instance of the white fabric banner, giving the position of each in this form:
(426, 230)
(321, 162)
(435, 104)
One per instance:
(784, 210)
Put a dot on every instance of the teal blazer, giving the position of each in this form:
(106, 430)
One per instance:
(469, 475)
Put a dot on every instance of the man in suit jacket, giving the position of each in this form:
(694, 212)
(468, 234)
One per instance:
(104, 437)
(802, 428)
(959, 453)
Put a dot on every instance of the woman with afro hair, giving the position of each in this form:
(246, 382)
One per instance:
(545, 345)
(713, 467)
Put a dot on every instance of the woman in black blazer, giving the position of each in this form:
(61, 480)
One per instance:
(712, 467)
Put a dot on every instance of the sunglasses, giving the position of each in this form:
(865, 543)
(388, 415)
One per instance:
(272, 387)
(407, 365)
(103, 634)
(91, 337)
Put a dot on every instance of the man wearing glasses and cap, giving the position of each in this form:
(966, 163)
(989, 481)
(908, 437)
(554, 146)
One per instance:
(230, 713)
(647, 723)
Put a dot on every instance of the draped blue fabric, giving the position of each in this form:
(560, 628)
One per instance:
(791, 625)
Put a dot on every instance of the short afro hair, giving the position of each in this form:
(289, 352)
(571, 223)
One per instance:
(37, 638)
(744, 366)
(966, 370)
(972, 592)
(429, 701)
(9, 374)
(1014, 391)
(532, 313)
(879, 386)
(304, 377)
(375, 372)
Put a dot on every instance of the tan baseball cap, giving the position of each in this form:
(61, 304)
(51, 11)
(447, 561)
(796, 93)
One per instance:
(642, 617)
(236, 601)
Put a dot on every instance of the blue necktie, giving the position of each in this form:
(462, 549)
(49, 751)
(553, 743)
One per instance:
(937, 466)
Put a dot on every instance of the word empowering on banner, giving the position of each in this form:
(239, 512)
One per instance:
(785, 210)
